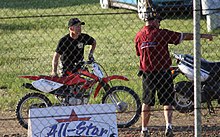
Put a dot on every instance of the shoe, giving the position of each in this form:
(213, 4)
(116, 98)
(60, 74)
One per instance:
(169, 132)
(145, 134)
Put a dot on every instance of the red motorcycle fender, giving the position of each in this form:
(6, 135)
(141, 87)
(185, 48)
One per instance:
(31, 77)
(106, 80)
(64, 80)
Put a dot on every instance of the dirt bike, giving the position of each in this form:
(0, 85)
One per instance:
(184, 90)
(76, 89)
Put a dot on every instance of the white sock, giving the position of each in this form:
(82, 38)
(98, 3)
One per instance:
(144, 129)
(168, 125)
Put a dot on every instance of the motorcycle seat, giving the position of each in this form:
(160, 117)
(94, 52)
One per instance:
(62, 80)
(211, 66)
(206, 65)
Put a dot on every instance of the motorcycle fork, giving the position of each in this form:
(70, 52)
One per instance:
(210, 107)
(207, 98)
(105, 86)
(113, 97)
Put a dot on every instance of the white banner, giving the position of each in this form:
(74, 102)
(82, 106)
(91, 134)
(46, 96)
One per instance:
(85, 120)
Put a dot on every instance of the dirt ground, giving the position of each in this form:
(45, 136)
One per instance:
(183, 125)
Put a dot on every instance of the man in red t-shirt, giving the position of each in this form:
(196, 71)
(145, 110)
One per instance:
(151, 44)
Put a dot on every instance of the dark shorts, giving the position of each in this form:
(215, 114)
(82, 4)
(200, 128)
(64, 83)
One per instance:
(160, 81)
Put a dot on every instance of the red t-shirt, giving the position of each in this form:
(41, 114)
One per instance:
(152, 47)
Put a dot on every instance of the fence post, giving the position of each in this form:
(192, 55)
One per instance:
(197, 79)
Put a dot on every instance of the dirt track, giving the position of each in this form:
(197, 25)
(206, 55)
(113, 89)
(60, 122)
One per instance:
(183, 125)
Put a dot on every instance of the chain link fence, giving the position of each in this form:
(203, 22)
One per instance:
(31, 29)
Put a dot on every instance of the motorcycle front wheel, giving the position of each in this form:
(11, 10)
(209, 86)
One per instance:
(183, 97)
(128, 105)
(29, 101)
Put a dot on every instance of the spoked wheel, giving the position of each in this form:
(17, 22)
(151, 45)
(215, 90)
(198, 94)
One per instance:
(183, 104)
(183, 97)
(29, 101)
(127, 103)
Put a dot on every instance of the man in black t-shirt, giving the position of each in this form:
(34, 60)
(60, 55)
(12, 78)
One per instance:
(70, 49)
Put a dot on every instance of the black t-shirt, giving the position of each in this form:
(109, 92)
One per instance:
(72, 50)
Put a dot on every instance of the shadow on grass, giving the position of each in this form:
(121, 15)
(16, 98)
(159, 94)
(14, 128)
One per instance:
(12, 60)
(42, 4)
(13, 27)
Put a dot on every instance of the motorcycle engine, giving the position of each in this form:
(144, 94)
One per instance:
(77, 97)
(75, 101)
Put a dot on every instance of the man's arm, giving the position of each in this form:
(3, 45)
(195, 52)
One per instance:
(92, 49)
(189, 36)
(55, 62)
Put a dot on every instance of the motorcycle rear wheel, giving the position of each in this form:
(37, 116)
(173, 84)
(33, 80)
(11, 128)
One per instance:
(30, 100)
(183, 97)
(128, 105)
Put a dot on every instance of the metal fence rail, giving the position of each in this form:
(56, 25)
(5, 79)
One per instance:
(30, 32)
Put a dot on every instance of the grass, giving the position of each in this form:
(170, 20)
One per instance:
(28, 41)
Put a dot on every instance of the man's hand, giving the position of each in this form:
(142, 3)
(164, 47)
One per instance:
(54, 74)
(208, 36)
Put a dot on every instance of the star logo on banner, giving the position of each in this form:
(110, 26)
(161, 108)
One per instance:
(73, 117)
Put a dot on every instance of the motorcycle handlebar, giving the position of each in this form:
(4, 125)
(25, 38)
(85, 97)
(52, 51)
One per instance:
(177, 56)
(82, 62)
